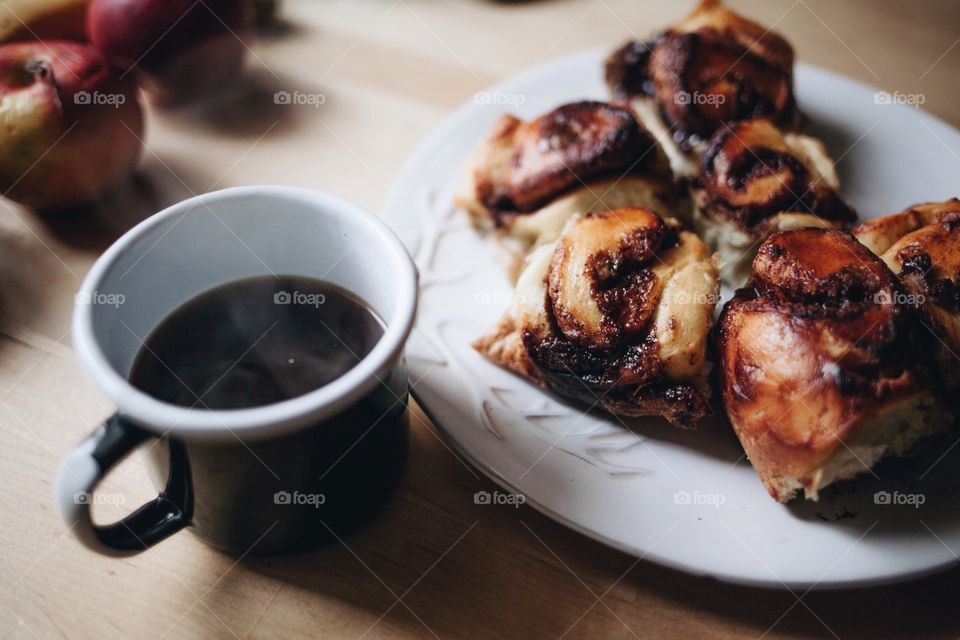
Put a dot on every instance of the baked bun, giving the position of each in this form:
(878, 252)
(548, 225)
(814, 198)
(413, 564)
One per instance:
(616, 314)
(715, 67)
(921, 245)
(528, 178)
(821, 370)
(753, 181)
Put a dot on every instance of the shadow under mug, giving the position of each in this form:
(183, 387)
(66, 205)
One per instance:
(268, 479)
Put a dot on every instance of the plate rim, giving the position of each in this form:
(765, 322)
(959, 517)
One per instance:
(654, 557)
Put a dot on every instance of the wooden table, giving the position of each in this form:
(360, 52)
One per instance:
(433, 563)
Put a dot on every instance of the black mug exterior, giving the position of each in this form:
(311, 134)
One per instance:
(286, 494)
(276, 482)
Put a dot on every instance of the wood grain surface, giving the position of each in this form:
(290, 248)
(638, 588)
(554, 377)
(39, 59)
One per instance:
(434, 564)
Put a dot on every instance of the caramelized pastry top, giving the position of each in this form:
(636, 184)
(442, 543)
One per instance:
(816, 341)
(826, 271)
(879, 234)
(714, 67)
(523, 165)
(822, 367)
(929, 260)
(921, 245)
(751, 171)
(627, 302)
(600, 294)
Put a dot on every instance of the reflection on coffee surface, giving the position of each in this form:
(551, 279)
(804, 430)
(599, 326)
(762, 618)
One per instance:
(254, 342)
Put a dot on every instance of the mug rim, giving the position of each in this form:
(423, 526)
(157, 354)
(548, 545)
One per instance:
(266, 420)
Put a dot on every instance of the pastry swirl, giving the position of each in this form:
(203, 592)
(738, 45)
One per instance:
(755, 180)
(714, 67)
(820, 367)
(751, 171)
(615, 314)
(921, 245)
(552, 153)
(524, 165)
(528, 178)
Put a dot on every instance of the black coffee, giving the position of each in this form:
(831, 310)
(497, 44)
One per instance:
(254, 342)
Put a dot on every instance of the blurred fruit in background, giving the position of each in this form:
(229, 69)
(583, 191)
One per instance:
(70, 72)
(180, 49)
(39, 19)
(72, 128)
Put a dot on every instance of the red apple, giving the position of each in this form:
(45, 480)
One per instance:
(71, 127)
(182, 49)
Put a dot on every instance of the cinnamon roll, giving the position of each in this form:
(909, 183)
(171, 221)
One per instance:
(712, 68)
(755, 180)
(921, 245)
(528, 178)
(616, 314)
(821, 370)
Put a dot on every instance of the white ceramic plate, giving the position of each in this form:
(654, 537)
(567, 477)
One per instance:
(688, 500)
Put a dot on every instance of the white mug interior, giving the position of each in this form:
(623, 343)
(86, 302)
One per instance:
(221, 237)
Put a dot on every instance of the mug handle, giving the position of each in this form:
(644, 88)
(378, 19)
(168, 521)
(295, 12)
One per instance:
(90, 462)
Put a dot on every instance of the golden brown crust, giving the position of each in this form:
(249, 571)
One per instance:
(928, 262)
(879, 234)
(604, 194)
(524, 165)
(750, 171)
(714, 67)
(921, 245)
(603, 319)
(759, 40)
(812, 353)
(754, 180)
(585, 262)
(504, 347)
